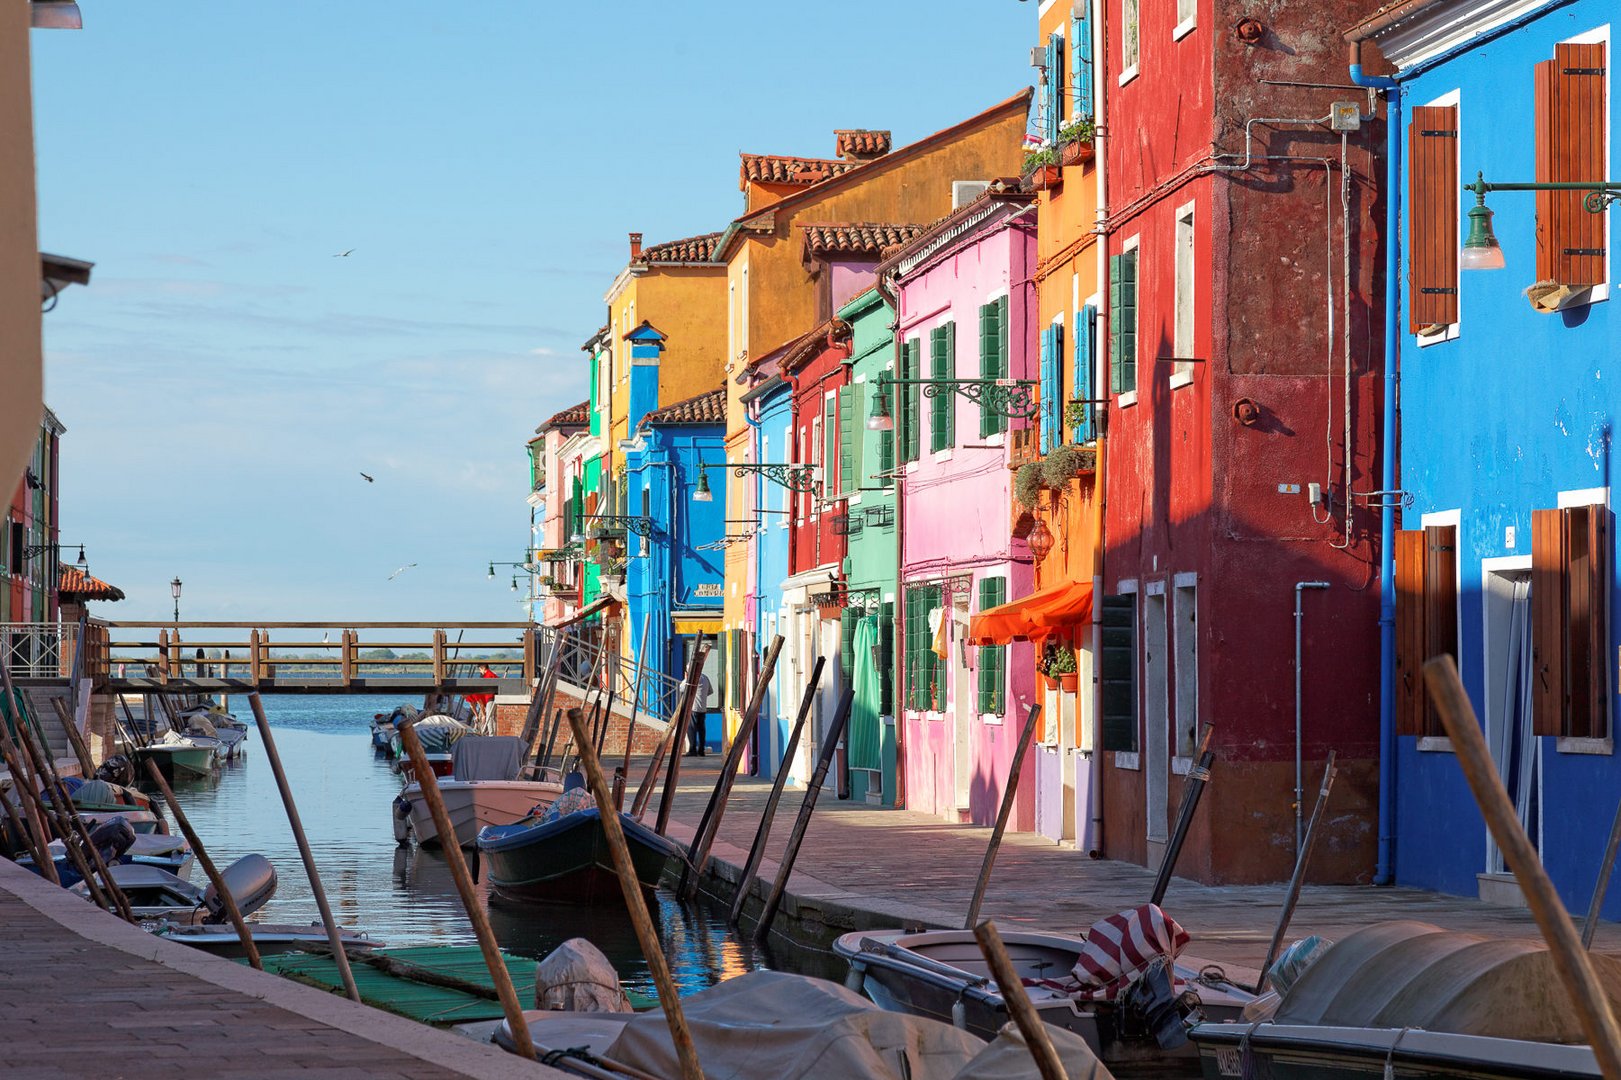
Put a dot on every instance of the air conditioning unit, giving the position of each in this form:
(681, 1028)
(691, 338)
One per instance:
(964, 192)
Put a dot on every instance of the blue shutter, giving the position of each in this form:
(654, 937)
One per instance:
(1055, 86)
(1049, 386)
(1080, 52)
(1086, 370)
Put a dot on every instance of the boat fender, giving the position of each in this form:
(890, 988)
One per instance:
(959, 1014)
(857, 977)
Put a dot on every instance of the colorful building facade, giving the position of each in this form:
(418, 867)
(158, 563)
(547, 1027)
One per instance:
(552, 523)
(29, 551)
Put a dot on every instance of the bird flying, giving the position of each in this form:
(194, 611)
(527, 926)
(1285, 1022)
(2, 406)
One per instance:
(401, 570)
(369, 480)
(344, 254)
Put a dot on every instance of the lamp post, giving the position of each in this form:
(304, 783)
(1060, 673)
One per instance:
(1480, 248)
(174, 590)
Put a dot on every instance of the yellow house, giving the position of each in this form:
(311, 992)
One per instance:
(771, 295)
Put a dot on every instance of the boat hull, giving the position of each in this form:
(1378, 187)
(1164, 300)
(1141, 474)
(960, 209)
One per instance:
(568, 860)
(473, 804)
(176, 762)
(269, 938)
(1299, 1052)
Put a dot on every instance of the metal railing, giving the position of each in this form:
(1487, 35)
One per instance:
(38, 650)
(584, 665)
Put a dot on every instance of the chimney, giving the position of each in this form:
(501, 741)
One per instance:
(635, 246)
(860, 144)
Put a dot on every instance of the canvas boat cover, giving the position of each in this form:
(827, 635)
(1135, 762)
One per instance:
(1120, 948)
(577, 977)
(438, 733)
(1408, 974)
(770, 1023)
(1007, 1057)
(486, 757)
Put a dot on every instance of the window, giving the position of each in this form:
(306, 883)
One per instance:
(1118, 673)
(1086, 337)
(1570, 92)
(1570, 582)
(1187, 12)
(993, 360)
(1080, 52)
(647, 512)
(1052, 386)
(912, 418)
(1426, 620)
(992, 658)
(922, 665)
(1128, 41)
(18, 542)
(1432, 225)
(851, 427)
(943, 405)
(1053, 105)
(831, 477)
(1123, 321)
(1185, 650)
(1182, 346)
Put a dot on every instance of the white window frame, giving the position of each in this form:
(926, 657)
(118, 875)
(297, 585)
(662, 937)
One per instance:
(1185, 295)
(1128, 71)
(1595, 496)
(1454, 98)
(1188, 582)
(1132, 243)
(1189, 21)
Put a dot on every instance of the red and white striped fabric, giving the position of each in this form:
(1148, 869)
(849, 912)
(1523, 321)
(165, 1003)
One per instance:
(1120, 948)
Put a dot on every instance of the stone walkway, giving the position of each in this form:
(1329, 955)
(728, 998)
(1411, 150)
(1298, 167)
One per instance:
(83, 994)
(903, 868)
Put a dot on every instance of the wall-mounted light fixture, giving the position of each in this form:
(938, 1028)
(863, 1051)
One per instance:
(1480, 248)
(792, 477)
(999, 397)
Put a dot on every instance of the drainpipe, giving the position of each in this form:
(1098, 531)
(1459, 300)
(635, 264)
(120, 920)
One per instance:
(886, 286)
(1300, 791)
(1385, 872)
(1100, 421)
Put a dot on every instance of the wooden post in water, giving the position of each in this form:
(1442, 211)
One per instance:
(646, 935)
(830, 744)
(689, 685)
(86, 768)
(678, 733)
(213, 874)
(709, 824)
(1602, 885)
(763, 834)
(141, 741)
(1298, 878)
(499, 975)
(635, 706)
(1570, 960)
(1008, 984)
(1009, 793)
(1192, 791)
(334, 936)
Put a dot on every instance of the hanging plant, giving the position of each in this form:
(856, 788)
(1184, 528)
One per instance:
(1061, 463)
(1079, 130)
(1027, 485)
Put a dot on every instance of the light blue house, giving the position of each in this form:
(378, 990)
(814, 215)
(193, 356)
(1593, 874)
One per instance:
(1509, 387)
(771, 417)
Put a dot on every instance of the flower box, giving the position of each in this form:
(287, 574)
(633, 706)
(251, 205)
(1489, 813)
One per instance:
(1078, 152)
(1044, 178)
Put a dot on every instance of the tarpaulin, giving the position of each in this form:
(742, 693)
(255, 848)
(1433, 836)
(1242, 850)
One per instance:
(1053, 610)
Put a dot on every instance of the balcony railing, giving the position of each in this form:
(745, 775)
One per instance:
(38, 650)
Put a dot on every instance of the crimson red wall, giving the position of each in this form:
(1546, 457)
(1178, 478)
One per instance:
(812, 540)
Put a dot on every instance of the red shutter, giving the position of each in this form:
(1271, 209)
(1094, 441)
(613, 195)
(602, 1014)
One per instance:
(1587, 640)
(1548, 564)
(1440, 605)
(1410, 632)
(1570, 133)
(1432, 225)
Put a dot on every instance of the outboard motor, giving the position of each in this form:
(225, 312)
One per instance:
(112, 838)
(251, 881)
(402, 819)
(117, 769)
(1153, 1003)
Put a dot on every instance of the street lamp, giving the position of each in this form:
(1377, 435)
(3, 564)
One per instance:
(1040, 540)
(702, 493)
(174, 590)
(998, 397)
(800, 478)
(1480, 248)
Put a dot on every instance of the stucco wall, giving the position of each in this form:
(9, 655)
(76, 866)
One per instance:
(20, 370)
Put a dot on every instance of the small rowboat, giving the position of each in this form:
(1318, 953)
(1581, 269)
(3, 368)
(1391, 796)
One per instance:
(438, 734)
(567, 860)
(268, 938)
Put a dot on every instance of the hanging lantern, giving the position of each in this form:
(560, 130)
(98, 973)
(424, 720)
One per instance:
(1040, 540)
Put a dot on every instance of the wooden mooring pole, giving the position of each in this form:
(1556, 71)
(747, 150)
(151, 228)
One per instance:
(1570, 960)
(1602, 885)
(1024, 1014)
(674, 738)
(87, 768)
(499, 975)
(1009, 793)
(29, 806)
(646, 935)
(762, 834)
(209, 869)
(334, 936)
(635, 709)
(790, 854)
(1298, 878)
(1197, 778)
(709, 824)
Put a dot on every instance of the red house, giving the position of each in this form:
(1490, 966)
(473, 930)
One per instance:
(1240, 454)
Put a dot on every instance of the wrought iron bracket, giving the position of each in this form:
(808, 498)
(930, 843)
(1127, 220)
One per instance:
(641, 526)
(1012, 398)
(792, 477)
(1600, 193)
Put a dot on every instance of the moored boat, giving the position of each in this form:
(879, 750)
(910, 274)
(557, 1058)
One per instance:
(482, 789)
(566, 859)
(178, 755)
(158, 894)
(437, 733)
(269, 938)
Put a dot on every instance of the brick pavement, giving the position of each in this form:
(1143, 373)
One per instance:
(84, 994)
(910, 867)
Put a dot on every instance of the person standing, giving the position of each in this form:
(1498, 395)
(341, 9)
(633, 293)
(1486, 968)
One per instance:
(696, 734)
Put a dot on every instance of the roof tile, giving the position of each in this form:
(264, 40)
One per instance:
(860, 144)
(857, 237)
(708, 407)
(79, 584)
(573, 416)
(781, 169)
(691, 249)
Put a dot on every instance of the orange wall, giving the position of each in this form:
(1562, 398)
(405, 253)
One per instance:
(20, 405)
(688, 305)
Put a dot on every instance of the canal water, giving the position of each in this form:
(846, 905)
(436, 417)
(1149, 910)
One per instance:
(405, 895)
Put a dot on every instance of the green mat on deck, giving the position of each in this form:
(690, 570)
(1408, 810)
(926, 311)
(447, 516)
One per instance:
(397, 992)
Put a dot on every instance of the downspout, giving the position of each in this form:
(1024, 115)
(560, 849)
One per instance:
(1100, 419)
(897, 696)
(1384, 873)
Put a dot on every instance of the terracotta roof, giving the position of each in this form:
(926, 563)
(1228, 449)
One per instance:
(573, 416)
(830, 334)
(857, 144)
(857, 237)
(690, 249)
(708, 407)
(780, 169)
(80, 585)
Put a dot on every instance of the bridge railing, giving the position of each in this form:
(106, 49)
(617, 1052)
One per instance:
(587, 661)
(38, 650)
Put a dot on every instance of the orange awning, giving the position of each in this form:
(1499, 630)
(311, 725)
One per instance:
(1031, 618)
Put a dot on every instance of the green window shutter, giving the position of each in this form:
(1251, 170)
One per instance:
(912, 442)
(850, 429)
(886, 454)
(992, 658)
(1118, 673)
(1128, 322)
(831, 477)
(847, 641)
(988, 336)
(1002, 343)
(886, 658)
(909, 647)
(1114, 324)
(942, 408)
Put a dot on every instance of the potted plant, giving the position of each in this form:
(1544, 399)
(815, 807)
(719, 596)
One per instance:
(1041, 170)
(1058, 666)
(1027, 485)
(1075, 141)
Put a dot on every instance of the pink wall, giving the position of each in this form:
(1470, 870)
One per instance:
(956, 506)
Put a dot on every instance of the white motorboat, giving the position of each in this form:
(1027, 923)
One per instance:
(482, 789)
(269, 938)
(211, 721)
(158, 894)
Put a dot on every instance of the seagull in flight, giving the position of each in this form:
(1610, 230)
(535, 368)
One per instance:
(400, 571)
(369, 480)
(344, 254)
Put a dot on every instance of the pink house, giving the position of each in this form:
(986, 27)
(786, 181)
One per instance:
(966, 309)
(556, 483)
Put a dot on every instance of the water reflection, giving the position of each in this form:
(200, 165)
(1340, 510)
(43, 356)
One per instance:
(405, 895)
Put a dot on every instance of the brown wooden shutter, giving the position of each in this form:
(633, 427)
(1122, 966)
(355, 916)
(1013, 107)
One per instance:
(1410, 632)
(1587, 534)
(1570, 132)
(1432, 225)
(1548, 564)
(1440, 607)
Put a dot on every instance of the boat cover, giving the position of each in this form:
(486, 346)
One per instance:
(1407, 974)
(1008, 1057)
(486, 757)
(1120, 948)
(438, 733)
(95, 793)
(577, 977)
(771, 1023)
(252, 882)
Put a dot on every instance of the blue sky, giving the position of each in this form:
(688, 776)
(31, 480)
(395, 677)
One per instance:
(224, 380)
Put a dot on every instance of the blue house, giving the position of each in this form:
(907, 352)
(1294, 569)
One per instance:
(675, 567)
(1509, 387)
(771, 417)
